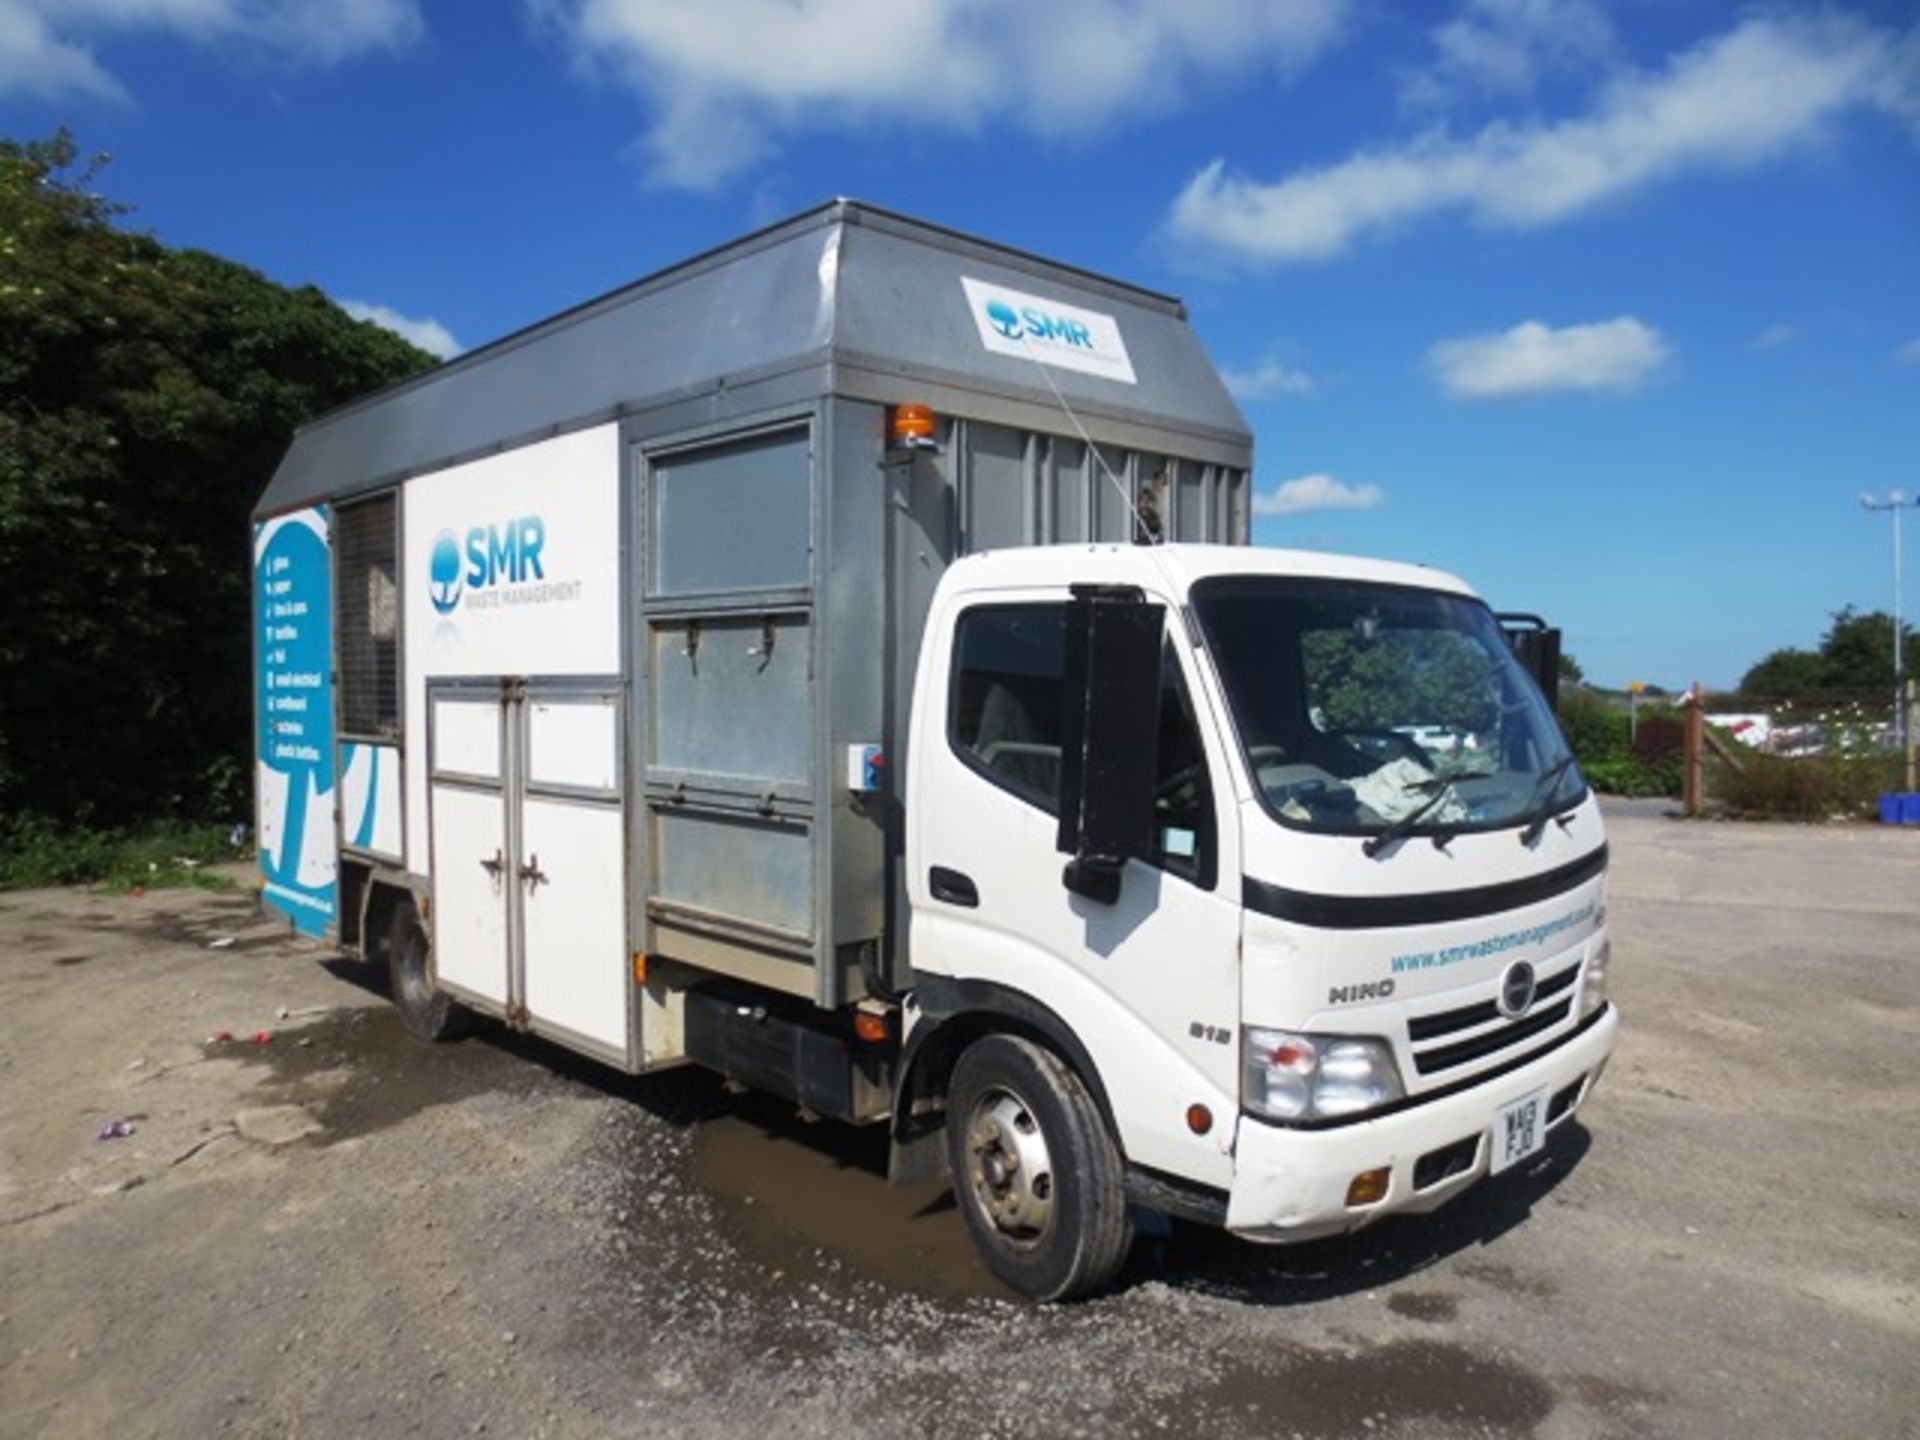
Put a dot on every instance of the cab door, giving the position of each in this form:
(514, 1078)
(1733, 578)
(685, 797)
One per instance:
(1148, 984)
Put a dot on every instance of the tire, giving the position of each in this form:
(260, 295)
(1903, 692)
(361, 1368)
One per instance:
(1035, 1174)
(427, 1013)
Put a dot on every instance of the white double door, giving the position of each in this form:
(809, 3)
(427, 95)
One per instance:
(529, 839)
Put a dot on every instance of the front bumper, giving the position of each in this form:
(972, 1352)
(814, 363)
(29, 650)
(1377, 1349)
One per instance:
(1291, 1184)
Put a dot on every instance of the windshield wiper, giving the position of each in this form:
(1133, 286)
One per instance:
(1548, 782)
(1374, 844)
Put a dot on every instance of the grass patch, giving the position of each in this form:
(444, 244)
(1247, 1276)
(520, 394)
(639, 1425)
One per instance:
(36, 854)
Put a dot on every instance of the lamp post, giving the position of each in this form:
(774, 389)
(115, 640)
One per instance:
(1893, 504)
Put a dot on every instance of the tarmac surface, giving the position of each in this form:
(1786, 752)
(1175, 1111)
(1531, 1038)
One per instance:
(339, 1231)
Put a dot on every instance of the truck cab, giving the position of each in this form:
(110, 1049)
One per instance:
(1281, 856)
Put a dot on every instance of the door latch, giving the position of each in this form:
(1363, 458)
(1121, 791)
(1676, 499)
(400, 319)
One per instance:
(531, 875)
(494, 866)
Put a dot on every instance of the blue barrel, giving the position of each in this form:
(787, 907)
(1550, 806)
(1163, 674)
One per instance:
(1889, 807)
(1910, 808)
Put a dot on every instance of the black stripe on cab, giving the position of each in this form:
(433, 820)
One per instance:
(1378, 912)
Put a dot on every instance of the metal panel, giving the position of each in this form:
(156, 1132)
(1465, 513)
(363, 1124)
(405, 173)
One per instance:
(870, 302)
(1112, 494)
(731, 517)
(730, 696)
(999, 487)
(1069, 491)
(1190, 507)
(737, 867)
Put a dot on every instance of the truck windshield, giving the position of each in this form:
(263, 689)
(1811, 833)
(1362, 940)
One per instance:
(1362, 705)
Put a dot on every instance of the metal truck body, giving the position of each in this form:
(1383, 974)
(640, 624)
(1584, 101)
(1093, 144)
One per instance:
(758, 667)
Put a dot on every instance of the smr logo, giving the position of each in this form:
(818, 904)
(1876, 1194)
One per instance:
(1003, 318)
(1030, 322)
(443, 573)
(493, 555)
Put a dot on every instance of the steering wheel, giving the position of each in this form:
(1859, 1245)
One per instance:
(1171, 786)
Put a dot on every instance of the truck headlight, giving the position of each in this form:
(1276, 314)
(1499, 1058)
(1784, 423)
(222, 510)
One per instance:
(1593, 990)
(1290, 1076)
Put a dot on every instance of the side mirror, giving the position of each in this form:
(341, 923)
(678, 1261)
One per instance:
(1537, 647)
(1110, 745)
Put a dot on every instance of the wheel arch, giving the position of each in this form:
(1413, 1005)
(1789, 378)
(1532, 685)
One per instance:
(953, 1014)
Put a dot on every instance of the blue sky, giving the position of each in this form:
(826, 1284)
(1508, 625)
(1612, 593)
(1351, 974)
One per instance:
(1613, 309)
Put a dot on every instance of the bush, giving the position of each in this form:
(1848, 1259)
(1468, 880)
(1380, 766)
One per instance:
(1614, 758)
(34, 853)
(1806, 788)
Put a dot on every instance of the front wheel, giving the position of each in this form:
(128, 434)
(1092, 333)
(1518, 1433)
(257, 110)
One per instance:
(427, 1012)
(1035, 1172)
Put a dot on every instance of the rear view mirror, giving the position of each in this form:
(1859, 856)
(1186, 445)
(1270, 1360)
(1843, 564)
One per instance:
(1537, 647)
(1111, 735)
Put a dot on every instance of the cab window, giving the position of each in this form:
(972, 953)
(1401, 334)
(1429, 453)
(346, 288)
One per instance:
(1006, 718)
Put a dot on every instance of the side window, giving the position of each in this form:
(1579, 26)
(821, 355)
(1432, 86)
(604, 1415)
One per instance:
(1183, 837)
(1005, 721)
(367, 618)
(1008, 663)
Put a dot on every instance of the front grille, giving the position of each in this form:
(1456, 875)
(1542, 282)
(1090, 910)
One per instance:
(1432, 1027)
(1484, 1042)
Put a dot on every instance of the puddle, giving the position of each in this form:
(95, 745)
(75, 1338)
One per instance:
(786, 1189)
(1510, 1281)
(1427, 1305)
(362, 1072)
(1407, 1384)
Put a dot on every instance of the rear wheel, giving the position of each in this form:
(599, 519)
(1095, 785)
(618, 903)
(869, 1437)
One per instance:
(1036, 1174)
(426, 1011)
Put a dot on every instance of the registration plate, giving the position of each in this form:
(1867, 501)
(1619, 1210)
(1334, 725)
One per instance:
(1519, 1129)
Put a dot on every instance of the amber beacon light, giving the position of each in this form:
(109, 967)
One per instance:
(913, 426)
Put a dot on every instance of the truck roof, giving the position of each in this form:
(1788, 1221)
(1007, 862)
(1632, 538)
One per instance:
(844, 299)
(1182, 567)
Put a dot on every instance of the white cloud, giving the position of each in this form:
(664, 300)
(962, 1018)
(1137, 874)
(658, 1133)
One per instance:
(429, 334)
(1531, 358)
(1759, 91)
(726, 79)
(1268, 379)
(46, 54)
(1505, 47)
(1317, 492)
(1775, 337)
(1909, 353)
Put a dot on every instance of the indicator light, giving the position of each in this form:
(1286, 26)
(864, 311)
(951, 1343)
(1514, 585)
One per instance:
(1369, 1187)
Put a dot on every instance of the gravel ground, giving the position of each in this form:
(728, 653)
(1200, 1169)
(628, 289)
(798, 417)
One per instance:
(337, 1231)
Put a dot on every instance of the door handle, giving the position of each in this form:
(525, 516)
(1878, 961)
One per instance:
(953, 888)
(531, 874)
(495, 865)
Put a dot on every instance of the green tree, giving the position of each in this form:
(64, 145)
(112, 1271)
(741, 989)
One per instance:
(1570, 669)
(1784, 673)
(146, 395)
(1856, 653)
(1857, 650)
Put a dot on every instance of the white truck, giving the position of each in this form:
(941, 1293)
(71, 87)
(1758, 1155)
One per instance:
(838, 661)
